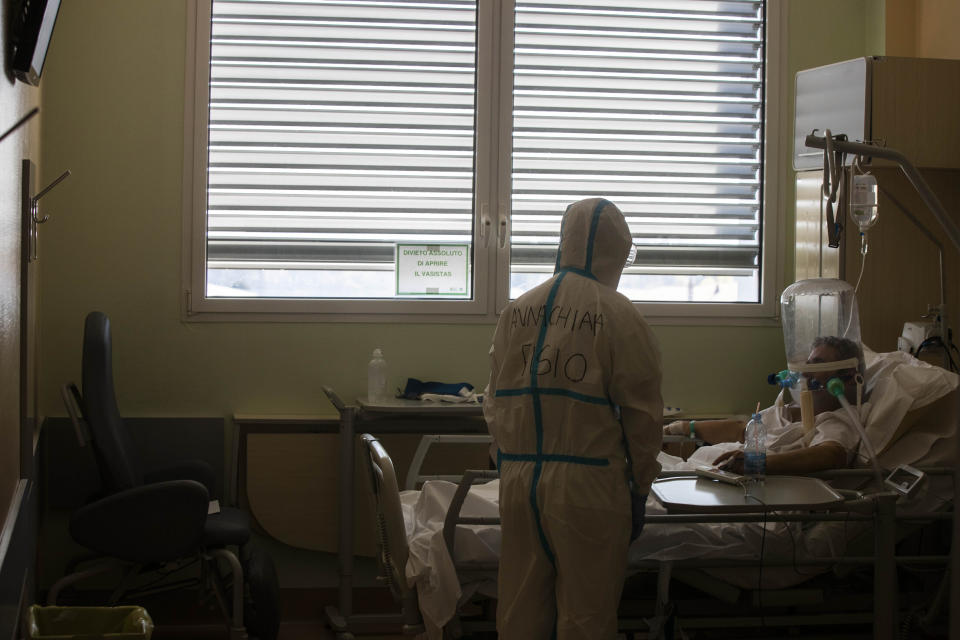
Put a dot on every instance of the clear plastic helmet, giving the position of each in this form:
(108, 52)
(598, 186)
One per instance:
(821, 327)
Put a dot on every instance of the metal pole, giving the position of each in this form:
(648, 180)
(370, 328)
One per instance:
(345, 490)
(885, 569)
(955, 544)
(339, 617)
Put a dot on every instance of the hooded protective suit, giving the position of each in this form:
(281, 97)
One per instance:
(575, 408)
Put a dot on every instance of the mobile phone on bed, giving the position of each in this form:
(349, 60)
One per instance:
(713, 473)
(904, 479)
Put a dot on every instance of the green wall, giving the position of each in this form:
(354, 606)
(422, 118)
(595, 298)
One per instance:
(113, 114)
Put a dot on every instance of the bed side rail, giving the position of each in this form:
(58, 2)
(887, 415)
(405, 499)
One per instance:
(391, 532)
(453, 517)
(415, 479)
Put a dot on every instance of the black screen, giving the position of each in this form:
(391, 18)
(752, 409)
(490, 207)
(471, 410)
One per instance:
(31, 29)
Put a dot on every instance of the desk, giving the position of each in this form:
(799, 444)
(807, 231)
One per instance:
(391, 416)
(695, 495)
(260, 423)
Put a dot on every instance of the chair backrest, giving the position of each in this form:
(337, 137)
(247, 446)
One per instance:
(116, 456)
(392, 549)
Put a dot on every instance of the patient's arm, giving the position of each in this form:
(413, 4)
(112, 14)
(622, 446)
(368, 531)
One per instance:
(821, 457)
(710, 431)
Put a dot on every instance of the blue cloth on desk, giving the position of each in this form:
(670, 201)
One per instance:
(415, 388)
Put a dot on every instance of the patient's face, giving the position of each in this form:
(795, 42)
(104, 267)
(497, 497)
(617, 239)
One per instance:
(822, 400)
(821, 353)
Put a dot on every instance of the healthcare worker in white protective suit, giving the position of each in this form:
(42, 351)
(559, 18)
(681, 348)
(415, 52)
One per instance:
(574, 406)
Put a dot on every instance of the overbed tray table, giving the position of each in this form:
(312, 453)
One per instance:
(703, 500)
(687, 494)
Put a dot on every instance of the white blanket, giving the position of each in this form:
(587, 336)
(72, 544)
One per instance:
(429, 567)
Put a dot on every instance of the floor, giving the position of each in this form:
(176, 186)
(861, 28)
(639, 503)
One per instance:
(309, 587)
(182, 616)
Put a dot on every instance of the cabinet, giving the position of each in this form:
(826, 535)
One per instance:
(907, 104)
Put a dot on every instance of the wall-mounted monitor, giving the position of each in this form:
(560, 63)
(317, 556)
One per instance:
(31, 26)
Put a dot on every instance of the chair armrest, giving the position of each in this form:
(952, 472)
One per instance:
(198, 470)
(150, 523)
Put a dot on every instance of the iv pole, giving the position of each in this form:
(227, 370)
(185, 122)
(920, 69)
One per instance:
(926, 194)
(953, 232)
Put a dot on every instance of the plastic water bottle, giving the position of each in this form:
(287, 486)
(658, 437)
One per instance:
(755, 449)
(377, 378)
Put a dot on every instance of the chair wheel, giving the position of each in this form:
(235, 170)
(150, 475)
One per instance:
(261, 593)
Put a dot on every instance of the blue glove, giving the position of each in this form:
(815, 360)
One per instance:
(638, 514)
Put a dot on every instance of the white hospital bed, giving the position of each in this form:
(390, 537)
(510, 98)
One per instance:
(447, 539)
(468, 533)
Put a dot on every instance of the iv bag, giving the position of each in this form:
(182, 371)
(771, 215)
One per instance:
(863, 201)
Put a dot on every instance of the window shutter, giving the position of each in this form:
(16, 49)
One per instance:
(337, 129)
(657, 106)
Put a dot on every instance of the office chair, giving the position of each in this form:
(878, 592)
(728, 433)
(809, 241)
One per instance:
(161, 516)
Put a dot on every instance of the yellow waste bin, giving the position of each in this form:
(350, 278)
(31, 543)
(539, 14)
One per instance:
(89, 623)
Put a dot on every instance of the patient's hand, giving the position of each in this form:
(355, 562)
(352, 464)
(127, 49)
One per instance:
(731, 461)
(677, 428)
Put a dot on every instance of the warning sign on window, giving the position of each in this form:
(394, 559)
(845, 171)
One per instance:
(433, 270)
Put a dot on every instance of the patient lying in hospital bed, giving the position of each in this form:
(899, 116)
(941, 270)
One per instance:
(911, 419)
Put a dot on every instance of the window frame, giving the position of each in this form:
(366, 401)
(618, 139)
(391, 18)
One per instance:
(491, 202)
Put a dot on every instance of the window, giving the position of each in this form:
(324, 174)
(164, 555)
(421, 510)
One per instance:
(373, 157)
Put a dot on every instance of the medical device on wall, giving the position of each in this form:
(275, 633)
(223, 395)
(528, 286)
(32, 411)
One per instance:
(914, 334)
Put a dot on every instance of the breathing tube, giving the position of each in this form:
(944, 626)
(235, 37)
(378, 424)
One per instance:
(835, 388)
(787, 379)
